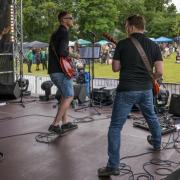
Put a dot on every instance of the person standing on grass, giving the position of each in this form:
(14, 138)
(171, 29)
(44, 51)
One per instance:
(30, 57)
(37, 59)
(135, 87)
(43, 58)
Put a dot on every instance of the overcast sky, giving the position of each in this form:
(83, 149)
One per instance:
(177, 3)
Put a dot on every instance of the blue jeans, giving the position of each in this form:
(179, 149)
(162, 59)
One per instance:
(122, 106)
(64, 85)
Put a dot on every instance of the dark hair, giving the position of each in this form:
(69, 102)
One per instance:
(137, 21)
(62, 14)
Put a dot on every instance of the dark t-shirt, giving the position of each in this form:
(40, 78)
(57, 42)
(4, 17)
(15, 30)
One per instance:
(133, 74)
(59, 40)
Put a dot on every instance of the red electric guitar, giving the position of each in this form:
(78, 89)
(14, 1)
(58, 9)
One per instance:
(65, 63)
(156, 86)
(67, 66)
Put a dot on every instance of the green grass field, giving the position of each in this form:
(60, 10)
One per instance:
(171, 70)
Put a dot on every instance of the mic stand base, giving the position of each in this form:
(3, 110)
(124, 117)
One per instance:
(90, 105)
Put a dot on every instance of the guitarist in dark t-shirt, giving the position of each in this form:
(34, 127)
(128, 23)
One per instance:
(58, 47)
(135, 87)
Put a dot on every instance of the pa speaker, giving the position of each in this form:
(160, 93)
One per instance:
(9, 91)
(174, 105)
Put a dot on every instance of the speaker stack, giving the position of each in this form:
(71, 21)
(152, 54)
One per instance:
(9, 89)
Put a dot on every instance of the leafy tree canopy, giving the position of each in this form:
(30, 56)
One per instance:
(40, 17)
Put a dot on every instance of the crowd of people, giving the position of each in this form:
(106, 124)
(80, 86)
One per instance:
(40, 55)
(168, 48)
(36, 56)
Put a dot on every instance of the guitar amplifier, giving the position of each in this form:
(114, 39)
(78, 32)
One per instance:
(174, 107)
(103, 95)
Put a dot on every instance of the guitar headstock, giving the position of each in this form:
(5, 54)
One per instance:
(110, 38)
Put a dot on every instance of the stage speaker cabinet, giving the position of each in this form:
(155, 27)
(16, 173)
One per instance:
(103, 95)
(174, 105)
(9, 91)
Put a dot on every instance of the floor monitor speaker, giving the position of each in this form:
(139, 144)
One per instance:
(9, 91)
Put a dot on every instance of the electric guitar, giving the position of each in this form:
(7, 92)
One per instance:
(67, 66)
(156, 86)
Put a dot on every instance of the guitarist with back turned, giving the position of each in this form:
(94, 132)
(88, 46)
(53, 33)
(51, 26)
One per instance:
(58, 47)
(135, 87)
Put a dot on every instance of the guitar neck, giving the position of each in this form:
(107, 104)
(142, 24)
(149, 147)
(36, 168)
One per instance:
(110, 38)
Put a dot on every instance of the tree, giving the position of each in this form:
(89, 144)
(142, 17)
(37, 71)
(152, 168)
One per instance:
(125, 9)
(97, 16)
(176, 29)
(156, 5)
(40, 17)
(39, 21)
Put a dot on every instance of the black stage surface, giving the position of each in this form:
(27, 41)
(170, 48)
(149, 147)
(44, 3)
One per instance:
(78, 154)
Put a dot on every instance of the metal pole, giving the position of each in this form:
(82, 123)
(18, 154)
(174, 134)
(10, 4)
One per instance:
(21, 39)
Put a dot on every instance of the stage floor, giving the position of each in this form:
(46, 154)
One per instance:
(76, 155)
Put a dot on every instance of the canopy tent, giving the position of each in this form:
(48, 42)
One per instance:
(177, 38)
(35, 44)
(83, 42)
(153, 39)
(163, 39)
(102, 42)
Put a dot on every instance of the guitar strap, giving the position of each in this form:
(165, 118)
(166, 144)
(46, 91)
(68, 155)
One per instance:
(53, 48)
(73, 55)
(143, 56)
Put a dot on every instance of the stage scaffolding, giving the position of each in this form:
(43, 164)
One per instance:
(11, 44)
(18, 38)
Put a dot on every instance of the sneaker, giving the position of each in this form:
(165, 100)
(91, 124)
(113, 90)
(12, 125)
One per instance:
(69, 126)
(150, 141)
(108, 171)
(55, 129)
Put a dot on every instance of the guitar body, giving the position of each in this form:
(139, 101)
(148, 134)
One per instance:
(156, 88)
(67, 67)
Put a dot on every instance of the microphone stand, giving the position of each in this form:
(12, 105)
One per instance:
(21, 56)
(91, 71)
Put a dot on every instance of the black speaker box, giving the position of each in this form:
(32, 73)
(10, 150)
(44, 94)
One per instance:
(9, 91)
(174, 107)
(103, 95)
